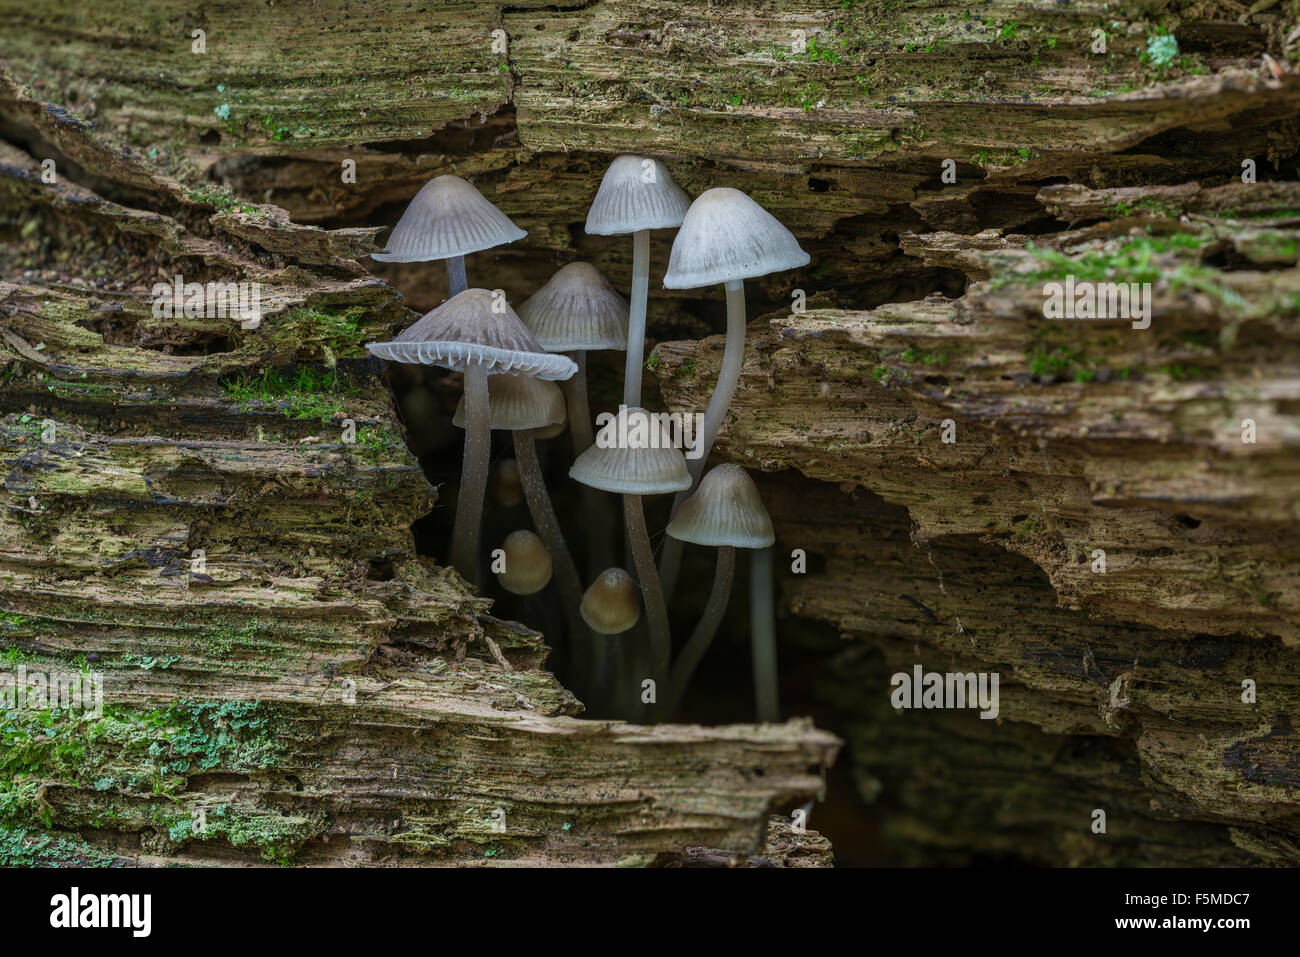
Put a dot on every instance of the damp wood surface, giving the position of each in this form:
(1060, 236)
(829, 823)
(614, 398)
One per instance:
(1121, 690)
(285, 681)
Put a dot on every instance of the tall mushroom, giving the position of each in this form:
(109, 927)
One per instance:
(725, 238)
(526, 407)
(636, 195)
(634, 456)
(476, 333)
(726, 513)
(448, 219)
(575, 312)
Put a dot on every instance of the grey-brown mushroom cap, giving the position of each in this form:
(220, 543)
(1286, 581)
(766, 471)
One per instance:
(636, 193)
(474, 326)
(611, 605)
(517, 402)
(448, 217)
(528, 563)
(725, 510)
(647, 463)
(727, 236)
(577, 309)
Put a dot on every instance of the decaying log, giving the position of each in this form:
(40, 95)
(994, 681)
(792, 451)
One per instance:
(283, 678)
(1122, 690)
(1069, 439)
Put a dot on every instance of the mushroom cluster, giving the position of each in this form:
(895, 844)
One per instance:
(525, 373)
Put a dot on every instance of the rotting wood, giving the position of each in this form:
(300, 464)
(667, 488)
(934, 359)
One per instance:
(843, 144)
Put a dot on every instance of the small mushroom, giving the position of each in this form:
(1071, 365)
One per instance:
(636, 195)
(448, 219)
(477, 334)
(640, 460)
(610, 606)
(725, 513)
(577, 311)
(525, 407)
(527, 563)
(506, 488)
(725, 238)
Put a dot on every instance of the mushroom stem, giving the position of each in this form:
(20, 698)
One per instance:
(599, 514)
(548, 530)
(762, 629)
(456, 282)
(636, 318)
(729, 376)
(689, 659)
(473, 474)
(656, 611)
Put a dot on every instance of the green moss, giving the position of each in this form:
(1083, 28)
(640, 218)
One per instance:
(1133, 261)
(21, 847)
(1148, 205)
(1045, 361)
(1161, 51)
(1182, 373)
(1027, 528)
(913, 354)
(330, 332)
(379, 446)
(304, 393)
(152, 749)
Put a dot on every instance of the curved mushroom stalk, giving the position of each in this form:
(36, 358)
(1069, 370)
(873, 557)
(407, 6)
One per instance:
(548, 529)
(725, 237)
(705, 629)
(733, 357)
(473, 475)
(600, 516)
(656, 610)
(762, 626)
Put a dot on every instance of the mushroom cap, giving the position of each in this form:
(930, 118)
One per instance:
(519, 402)
(448, 217)
(725, 510)
(507, 487)
(726, 236)
(528, 563)
(470, 327)
(637, 193)
(639, 459)
(611, 605)
(577, 309)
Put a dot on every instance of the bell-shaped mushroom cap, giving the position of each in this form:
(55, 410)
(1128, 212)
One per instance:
(507, 487)
(634, 455)
(474, 326)
(726, 236)
(519, 402)
(527, 563)
(448, 217)
(577, 309)
(725, 510)
(610, 605)
(637, 193)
